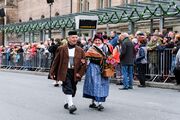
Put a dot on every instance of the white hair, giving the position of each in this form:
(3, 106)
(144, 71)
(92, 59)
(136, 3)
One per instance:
(125, 34)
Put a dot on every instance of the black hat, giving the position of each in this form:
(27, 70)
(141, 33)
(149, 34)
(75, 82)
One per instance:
(104, 36)
(72, 32)
(98, 36)
(140, 34)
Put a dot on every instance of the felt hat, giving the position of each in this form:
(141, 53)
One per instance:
(98, 36)
(72, 32)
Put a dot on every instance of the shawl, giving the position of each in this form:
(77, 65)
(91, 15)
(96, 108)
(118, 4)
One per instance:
(95, 52)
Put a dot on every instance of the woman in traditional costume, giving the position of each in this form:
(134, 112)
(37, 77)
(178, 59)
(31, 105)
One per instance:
(96, 87)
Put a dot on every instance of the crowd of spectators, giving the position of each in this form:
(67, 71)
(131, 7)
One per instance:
(28, 55)
(36, 55)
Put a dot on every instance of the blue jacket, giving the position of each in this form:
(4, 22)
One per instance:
(114, 41)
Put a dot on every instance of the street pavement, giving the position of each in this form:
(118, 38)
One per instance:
(33, 97)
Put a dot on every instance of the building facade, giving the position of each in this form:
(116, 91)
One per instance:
(18, 11)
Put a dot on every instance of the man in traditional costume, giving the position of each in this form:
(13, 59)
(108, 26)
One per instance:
(69, 66)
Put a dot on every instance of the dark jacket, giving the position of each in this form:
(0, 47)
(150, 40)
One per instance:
(127, 52)
(52, 49)
(60, 63)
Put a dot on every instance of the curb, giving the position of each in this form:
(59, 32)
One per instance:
(25, 72)
(155, 84)
(163, 85)
(148, 83)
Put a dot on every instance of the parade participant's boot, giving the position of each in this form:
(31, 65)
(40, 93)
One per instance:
(93, 105)
(72, 108)
(56, 85)
(66, 106)
(100, 107)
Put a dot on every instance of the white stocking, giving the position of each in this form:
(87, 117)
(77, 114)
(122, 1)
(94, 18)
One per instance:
(69, 100)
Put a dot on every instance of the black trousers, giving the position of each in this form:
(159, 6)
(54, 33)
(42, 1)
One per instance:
(177, 76)
(69, 85)
(141, 71)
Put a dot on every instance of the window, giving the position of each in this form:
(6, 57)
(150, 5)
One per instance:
(57, 14)
(87, 8)
(101, 3)
(109, 3)
(81, 5)
(42, 16)
(30, 19)
(71, 6)
(84, 5)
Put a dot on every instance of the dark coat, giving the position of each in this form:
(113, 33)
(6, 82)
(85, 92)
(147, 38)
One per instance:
(52, 49)
(60, 63)
(127, 52)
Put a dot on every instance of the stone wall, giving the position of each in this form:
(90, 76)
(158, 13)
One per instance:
(11, 15)
(36, 8)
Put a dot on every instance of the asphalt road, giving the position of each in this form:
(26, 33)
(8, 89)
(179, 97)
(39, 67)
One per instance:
(33, 97)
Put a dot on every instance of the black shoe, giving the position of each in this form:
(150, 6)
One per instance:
(66, 106)
(130, 87)
(118, 83)
(56, 85)
(100, 107)
(72, 108)
(93, 105)
(123, 88)
(141, 85)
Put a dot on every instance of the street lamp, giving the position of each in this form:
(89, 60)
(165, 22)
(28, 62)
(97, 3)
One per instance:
(2, 15)
(50, 2)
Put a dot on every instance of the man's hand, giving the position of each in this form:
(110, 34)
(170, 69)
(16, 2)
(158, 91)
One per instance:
(78, 75)
(83, 61)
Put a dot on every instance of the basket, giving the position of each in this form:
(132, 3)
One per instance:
(108, 72)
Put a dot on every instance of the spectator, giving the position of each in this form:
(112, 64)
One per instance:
(153, 56)
(88, 45)
(165, 50)
(114, 38)
(175, 50)
(141, 62)
(20, 52)
(64, 41)
(116, 56)
(177, 68)
(52, 49)
(105, 38)
(127, 61)
(1, 54)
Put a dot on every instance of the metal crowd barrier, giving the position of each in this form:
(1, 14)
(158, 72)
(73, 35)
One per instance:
(37, 61)
(159, 68)
(161, 64)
